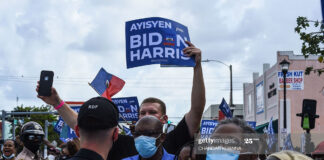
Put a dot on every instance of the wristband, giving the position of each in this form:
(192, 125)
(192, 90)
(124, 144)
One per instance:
(59, 106)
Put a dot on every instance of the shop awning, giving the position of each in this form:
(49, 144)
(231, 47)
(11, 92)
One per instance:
(260, 128)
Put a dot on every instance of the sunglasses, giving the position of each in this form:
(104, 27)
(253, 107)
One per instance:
(34, 137)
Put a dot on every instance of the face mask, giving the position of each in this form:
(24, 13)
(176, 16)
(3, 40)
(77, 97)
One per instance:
(32, 146)
(222, 156)
(9, 157)
(145, 146)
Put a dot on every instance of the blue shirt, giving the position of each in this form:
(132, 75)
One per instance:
(166, 156)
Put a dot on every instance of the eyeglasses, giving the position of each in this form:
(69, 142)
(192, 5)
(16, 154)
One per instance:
(149, 133)
(34, 137)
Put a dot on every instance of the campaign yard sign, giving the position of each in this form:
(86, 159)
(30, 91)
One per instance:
(156, 40)
(128, 108)
(207, 128)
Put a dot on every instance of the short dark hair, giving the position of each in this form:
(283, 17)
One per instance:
(156, 100)
(239, 122)
(72, 147)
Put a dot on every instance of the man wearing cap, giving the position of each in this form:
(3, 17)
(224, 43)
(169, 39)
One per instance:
(183, 133)
(31, 134)
(97, 128)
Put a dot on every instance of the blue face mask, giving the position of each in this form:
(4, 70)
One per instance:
(145, 146)
(9, 157)
(222, 156)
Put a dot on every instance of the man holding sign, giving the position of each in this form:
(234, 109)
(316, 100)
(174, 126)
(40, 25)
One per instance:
(183, 133)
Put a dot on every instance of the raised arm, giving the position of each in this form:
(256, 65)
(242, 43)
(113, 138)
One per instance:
(198, 98)
(66, 112)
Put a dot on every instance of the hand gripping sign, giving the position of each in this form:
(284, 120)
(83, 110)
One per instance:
(156, 41)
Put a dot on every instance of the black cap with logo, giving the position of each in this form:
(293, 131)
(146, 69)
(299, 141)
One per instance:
(98, 113)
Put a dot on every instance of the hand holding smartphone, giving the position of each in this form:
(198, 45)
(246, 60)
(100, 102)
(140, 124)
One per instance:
(45, 83)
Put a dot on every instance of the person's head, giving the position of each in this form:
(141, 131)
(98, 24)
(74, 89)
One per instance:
(188, 152)
(97, 122)
(154, 107)
(148, 136)
(288, 155)
(32, 135)
(69, 149)
(9, 149)
(237, 129)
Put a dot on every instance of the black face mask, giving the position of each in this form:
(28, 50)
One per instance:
(32, 142)
(32, 146)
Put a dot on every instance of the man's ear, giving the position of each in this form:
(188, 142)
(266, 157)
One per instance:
(164, 119)
(77, 131)
(115, 134)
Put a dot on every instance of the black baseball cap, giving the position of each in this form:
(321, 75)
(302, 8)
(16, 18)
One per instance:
(98, 113)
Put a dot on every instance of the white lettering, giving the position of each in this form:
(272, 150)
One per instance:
(158, 51)
(133, 108)
(146, 53)
(150, 24)
(158, 36)
(135, 41)
(169, 52)
(121, 108)
(136, 55)
(133, 27)
(92, 106)
(139, 25)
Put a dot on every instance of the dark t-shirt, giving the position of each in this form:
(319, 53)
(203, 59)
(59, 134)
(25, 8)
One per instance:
(85, 154)
(125, 145)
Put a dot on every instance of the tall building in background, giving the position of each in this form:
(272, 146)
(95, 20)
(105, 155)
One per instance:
(263, 98)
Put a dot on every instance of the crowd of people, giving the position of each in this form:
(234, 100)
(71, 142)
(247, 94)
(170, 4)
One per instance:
(96, 125)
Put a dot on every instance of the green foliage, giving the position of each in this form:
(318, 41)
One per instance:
(52, 135)
(313, 41)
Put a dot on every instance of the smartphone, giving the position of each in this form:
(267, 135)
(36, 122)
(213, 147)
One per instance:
(45, 83)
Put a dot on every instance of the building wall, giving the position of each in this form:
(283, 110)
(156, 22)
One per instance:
(248, 104)
(273, 105)
(313, 89)
(271, 94)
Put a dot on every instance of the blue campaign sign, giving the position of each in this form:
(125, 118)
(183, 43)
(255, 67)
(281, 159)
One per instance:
(225, 109)
(252, 124)
(128, 108)
(207, 127)
(59, 125)
(66, 133)
(156, 40)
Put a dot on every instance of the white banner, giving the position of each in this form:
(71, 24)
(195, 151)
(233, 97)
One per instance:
(259, 98)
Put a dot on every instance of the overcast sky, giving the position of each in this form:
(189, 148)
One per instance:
(75, 38)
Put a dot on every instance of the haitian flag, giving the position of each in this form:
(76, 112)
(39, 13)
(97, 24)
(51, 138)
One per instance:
(107, 84)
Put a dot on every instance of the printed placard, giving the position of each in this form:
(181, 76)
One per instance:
(156, 40)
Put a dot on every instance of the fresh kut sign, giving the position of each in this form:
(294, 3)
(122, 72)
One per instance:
(294, 80)
(156, 41)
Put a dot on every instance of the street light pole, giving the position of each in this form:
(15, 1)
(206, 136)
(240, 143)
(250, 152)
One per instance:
(231, 78)
(231, 89)
(284, 68)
